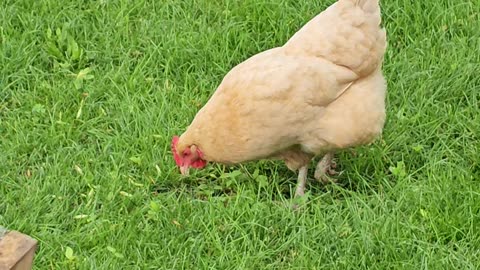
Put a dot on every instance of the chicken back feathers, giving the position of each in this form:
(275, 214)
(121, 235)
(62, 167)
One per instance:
(323, 90)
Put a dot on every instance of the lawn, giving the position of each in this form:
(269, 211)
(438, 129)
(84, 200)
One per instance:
(91, 93)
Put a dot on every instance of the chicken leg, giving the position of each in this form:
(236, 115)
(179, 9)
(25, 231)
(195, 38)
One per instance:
(302, 181)
(325, 166)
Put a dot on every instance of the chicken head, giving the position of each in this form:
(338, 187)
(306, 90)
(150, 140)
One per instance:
(190, 156)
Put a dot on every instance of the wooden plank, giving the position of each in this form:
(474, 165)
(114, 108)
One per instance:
(16, 250)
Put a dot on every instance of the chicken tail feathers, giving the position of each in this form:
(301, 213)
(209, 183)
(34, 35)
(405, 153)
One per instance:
(369, 6)
(347, 34)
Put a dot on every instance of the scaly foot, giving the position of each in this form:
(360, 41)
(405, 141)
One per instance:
(302, 181)
(325, 169)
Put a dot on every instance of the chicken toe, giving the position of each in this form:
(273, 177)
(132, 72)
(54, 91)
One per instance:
(325, 168)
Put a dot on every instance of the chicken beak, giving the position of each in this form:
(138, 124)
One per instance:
(184, 170)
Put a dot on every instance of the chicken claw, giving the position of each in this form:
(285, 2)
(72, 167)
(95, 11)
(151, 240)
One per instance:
(325, 168)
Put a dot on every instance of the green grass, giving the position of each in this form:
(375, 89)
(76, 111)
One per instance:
(86, 118)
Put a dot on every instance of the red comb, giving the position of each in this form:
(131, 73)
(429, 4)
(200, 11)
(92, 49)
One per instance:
(173, 146)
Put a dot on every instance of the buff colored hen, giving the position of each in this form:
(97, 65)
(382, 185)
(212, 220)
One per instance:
(322, 91)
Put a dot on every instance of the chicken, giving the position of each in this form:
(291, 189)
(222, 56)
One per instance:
(321, 92)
